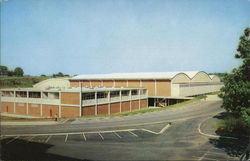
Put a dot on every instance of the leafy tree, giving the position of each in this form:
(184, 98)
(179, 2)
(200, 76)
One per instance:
(236, 90)
(3, 70)
(18, 71)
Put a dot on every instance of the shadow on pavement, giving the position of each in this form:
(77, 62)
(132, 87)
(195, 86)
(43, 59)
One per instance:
(233, 147)
(23, 150)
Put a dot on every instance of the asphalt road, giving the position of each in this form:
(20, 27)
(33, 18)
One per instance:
(162, 135)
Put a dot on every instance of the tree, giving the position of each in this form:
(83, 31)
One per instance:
(3, 70)
(18, 71)
(236, 90)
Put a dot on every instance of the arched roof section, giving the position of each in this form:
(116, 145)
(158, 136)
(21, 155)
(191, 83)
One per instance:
(181, 78)
(215, 78)
(201, 77)
(53, 82)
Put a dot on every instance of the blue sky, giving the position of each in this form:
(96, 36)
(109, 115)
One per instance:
(106, 36)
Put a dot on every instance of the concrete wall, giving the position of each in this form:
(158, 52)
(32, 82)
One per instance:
(179, 91)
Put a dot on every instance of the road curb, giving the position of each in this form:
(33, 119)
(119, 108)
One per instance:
(211, 135)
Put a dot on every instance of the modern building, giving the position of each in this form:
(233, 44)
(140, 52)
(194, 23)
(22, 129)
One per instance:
(97, 94)
(164, 88)
(70, 102)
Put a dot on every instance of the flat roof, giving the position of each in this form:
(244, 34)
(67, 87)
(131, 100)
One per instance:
(135, 76)
(70, 89)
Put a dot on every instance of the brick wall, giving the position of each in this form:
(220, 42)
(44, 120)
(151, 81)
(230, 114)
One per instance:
(135, 105)
(163, 88)
(7, 105)
(144, 103)
(21, 108)
(89, 110)
(125, 106)
(114, 108)
(102, 109)
(71, 98)
(74, 83)
(67, 111)
(53, 108)
(34, 109)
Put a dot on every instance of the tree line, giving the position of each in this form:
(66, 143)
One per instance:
(236, 90)
(18, 72)
(4, 71)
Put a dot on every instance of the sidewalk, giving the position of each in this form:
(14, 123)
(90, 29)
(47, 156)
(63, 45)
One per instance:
(22, 120)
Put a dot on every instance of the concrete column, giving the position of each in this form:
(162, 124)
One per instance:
(130, 103)
(27, 105)
(41, 105)
(14, 101)
(127, 83)
(120, 101)
(155, 88)
(101, 82)
(140, 83)
(90, 83)
(113, 83)
(109, 102)
(80, 103)
(139, 99)
(95, 103)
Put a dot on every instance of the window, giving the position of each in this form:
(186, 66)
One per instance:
(21, 94)
(102, 94)
(114, 93)
(34, 94)
(125, 93)
(134, 92)
(143, 92)
(88, 96)
(7, 94)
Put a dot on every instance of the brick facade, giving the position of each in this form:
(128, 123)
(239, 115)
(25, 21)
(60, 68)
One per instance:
(114, 108)
(89, 110)
(135, 105)
(102, 109)
(50, 110)
(126, 106)
(34, 109)
(67, 111)
(7, 107)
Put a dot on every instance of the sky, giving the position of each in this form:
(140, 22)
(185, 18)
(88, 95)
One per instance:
(116, 36)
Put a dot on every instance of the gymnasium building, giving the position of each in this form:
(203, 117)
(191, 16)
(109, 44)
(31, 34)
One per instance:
(104, 94)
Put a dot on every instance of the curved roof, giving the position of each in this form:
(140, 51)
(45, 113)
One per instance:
(52, 82)
(147, 75)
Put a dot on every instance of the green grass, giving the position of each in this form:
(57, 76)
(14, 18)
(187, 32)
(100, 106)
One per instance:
(232, 126)
(8, 118)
